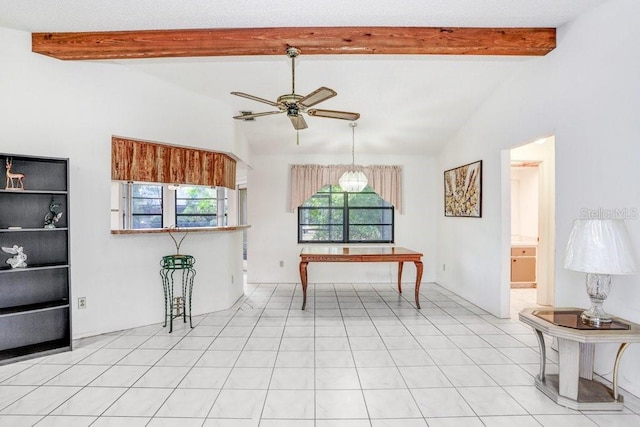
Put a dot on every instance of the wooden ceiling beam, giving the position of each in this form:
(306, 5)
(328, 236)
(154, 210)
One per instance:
(310, 41)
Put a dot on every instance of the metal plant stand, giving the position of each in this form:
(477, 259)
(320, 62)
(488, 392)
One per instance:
(176, 306)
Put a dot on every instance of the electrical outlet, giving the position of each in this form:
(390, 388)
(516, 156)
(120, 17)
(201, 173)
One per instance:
(232, 278)
(444, 267)
(82, 303)
(281, 263)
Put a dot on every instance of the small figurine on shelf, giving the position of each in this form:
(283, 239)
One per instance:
(11, 185)
(19, 258)
(53, 215)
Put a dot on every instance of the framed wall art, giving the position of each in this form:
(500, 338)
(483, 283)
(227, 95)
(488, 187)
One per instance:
(463, 191)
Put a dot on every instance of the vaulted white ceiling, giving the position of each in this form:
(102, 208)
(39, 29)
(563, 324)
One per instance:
(408, 104)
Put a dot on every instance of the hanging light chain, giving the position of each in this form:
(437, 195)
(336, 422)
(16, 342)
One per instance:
(353, 143)
(353, 181)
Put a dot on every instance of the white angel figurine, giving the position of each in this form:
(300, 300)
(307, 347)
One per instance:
(19, 259)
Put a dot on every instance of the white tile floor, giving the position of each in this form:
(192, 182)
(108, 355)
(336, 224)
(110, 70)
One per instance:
(360, 355)
(522, 298)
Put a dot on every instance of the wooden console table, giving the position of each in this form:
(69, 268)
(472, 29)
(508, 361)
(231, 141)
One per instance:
(574, 386)
(360, 254)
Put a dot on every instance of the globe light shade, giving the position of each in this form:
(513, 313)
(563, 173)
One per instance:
(353, 181)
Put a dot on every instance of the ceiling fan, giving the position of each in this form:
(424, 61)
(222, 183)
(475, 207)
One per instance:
(294, 104)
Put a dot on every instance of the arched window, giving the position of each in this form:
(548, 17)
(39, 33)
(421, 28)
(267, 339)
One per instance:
(335, 216)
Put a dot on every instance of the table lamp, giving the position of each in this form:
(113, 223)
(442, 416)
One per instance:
(600, 248)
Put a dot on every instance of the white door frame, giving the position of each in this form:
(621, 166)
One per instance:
(546, 229)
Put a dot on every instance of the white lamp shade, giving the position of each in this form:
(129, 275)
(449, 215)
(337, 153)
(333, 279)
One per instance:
(600, 246)
(353, 181)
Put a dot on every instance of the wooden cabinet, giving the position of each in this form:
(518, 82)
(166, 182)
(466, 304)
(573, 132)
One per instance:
(523, 266)
(523, 251)
(35, 314)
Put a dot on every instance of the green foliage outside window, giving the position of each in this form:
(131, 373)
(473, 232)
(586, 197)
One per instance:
(196, 207)
(146, 206)
(332, 215)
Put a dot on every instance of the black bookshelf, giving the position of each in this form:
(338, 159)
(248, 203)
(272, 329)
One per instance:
(35, 310)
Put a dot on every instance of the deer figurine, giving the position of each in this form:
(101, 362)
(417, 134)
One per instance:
(11, 185)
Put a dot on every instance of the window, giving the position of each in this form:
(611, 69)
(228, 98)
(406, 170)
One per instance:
(157, 206)
(146, 205)
(196, 207)
(334, 216)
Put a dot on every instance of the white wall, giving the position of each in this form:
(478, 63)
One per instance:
(68, 109)
(587, 93)
(524, 205)
(273, 234)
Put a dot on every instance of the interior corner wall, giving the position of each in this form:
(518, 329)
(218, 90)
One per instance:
(71, 109)
(273, 234)
(587, 93)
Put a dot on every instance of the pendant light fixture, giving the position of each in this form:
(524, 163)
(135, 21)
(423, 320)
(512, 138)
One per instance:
(353, 181)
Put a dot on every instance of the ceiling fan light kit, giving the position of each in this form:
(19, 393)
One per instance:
(295, 105)
(353, 181)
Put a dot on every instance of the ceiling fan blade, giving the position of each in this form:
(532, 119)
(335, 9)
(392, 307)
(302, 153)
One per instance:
(254, 115)
(298, 122)
(255, 98)
(317, 96)
(344, 115)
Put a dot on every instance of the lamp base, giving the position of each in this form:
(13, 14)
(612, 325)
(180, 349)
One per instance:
(595, 320)
(598, 287)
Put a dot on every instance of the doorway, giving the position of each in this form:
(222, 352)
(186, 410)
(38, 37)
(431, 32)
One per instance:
(532, 240)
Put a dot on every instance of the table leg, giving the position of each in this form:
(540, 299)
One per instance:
(400, 265)
(569, 368)
(587, 356)
(165, 289)
(303, 279)
(418, 281)
(543, 354)
(192, 275)
(621, 350)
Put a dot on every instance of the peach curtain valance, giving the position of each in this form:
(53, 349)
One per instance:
(306, 180)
